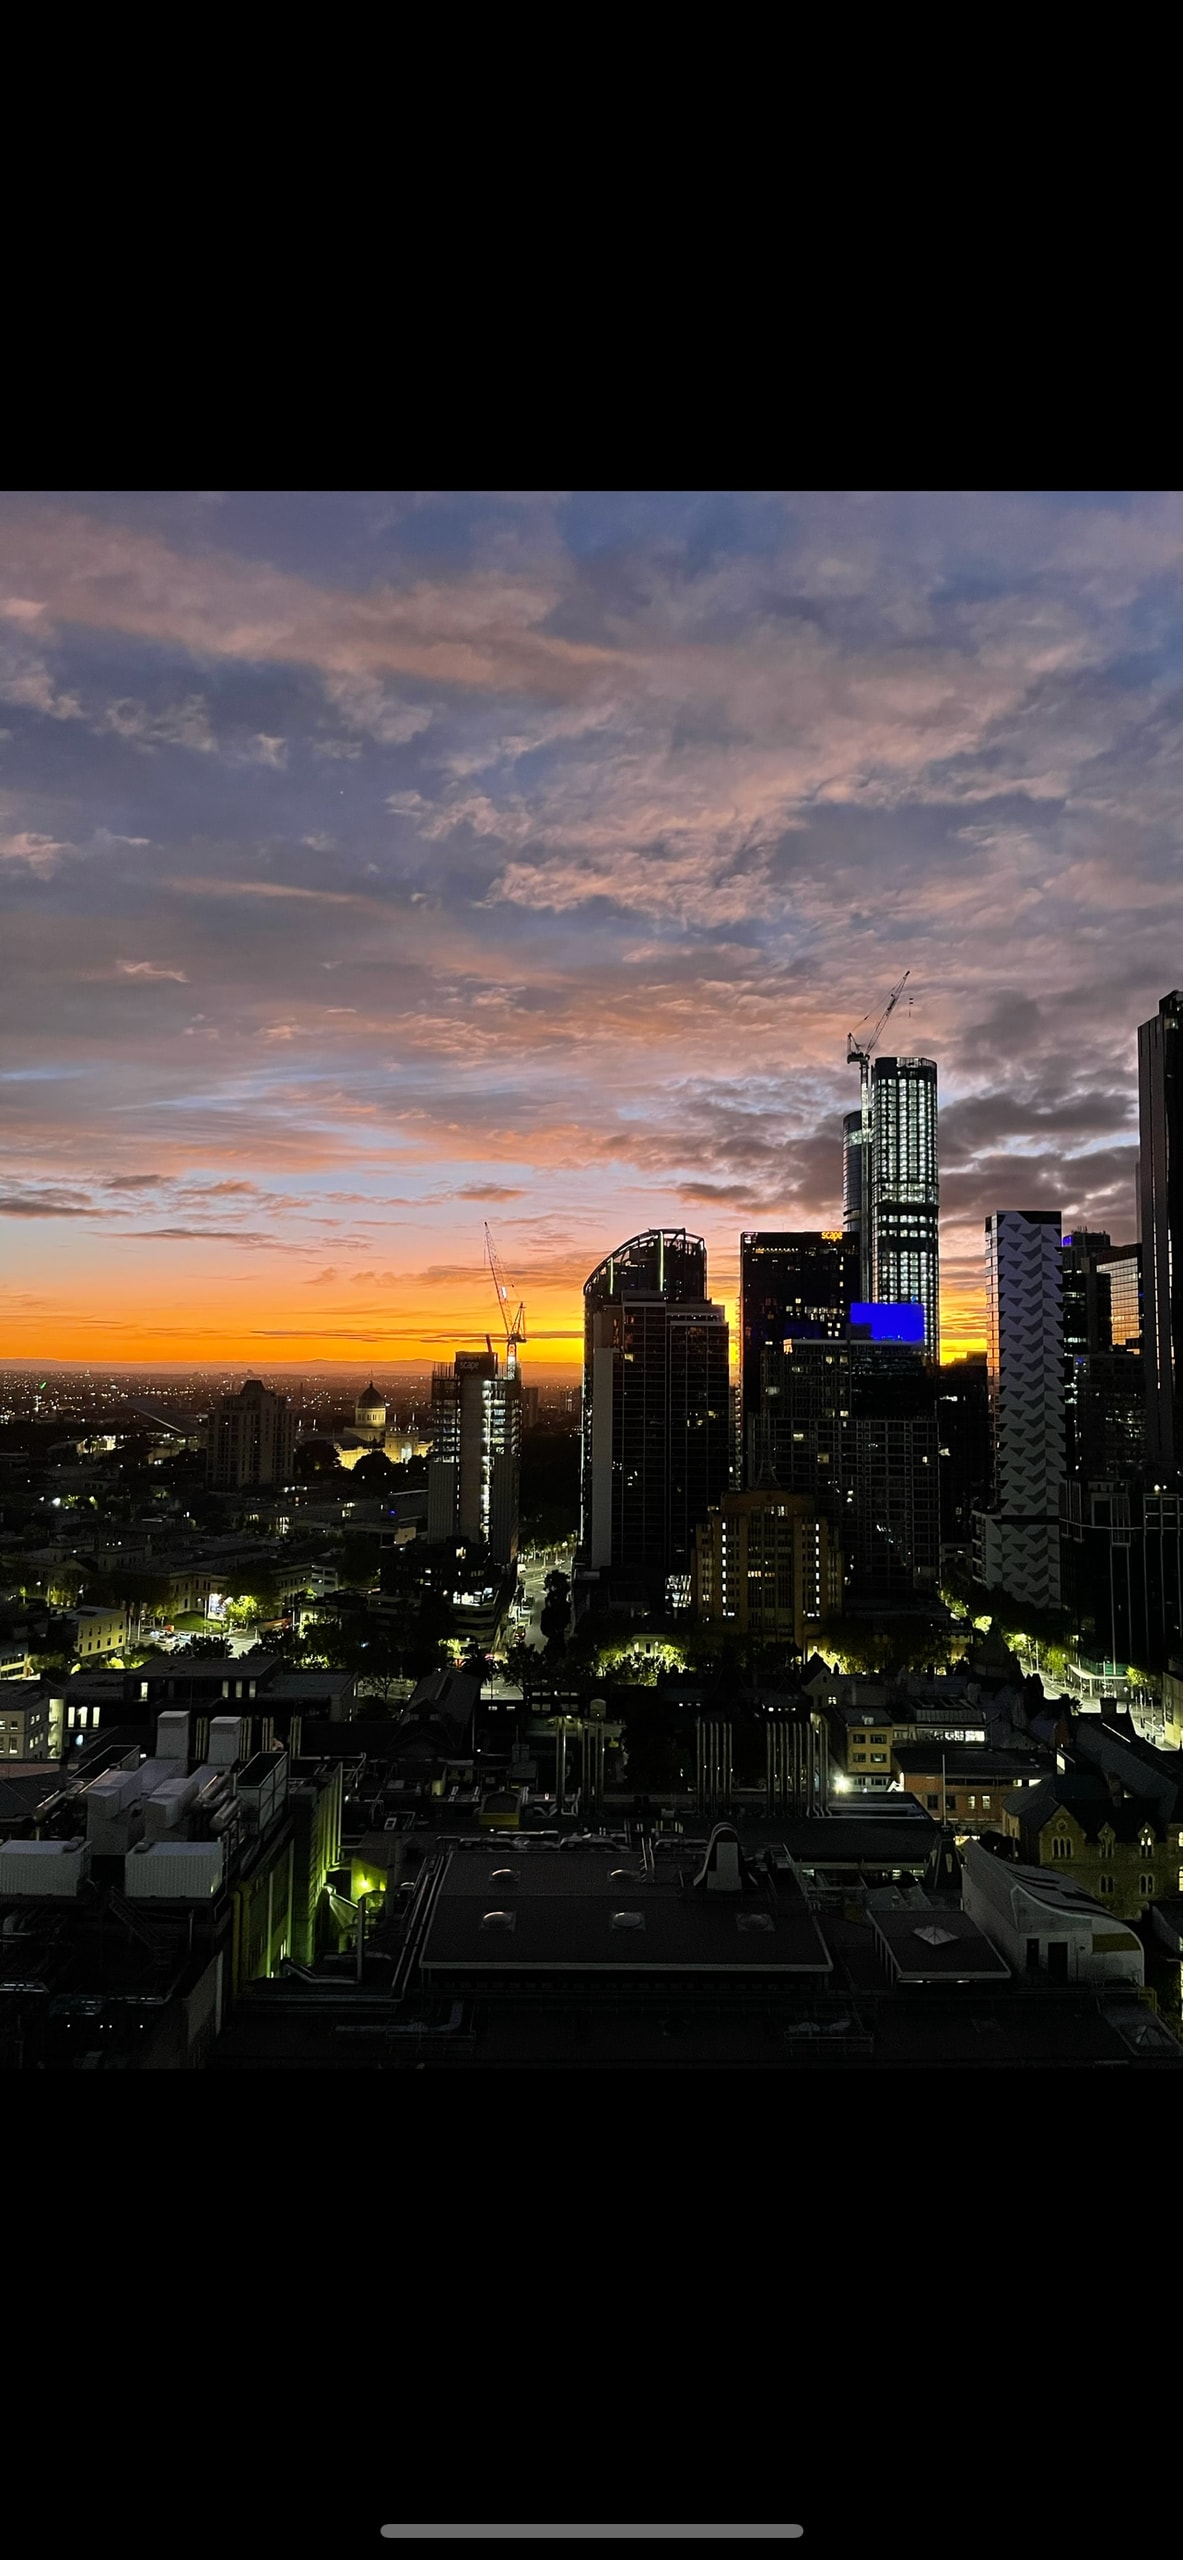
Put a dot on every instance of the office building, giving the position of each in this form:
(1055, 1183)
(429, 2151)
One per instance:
(852, 1426)
(1018, 1542)
(963, 1422)
(891, 1190)
(768, 1568)
(656, 1408)
(252, 1439)
(1104, 1388)
(797, 1287)
(475, 1465)
(1160, 1103)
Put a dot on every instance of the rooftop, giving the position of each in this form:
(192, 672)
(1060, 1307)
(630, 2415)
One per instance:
(502, 1912)
(939, 1944)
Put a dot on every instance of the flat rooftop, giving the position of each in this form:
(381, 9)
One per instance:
(937, 1945)
(502, 1914)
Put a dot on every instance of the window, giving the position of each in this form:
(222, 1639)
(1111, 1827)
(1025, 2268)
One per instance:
(1147, 1885)
(1061, 1848)
(985, 1804)
(1107, 1884)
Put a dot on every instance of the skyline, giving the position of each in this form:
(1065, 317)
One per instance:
(373, 865)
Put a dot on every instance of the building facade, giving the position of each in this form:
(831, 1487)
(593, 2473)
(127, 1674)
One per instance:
(474, 1472)
(905, 1190)
(1017, 1544)
(768, 1567)
(1160, 1114)
(252, 1439)
(794, 1286)
(656, 1451)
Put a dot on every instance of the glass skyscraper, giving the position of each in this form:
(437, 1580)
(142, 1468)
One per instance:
(905, 1190)
(891, 1190)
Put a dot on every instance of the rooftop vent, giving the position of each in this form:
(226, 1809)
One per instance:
(627, 1920)
(499, 1920)
(747, 1920)
(502, 1876)
(935, 1937)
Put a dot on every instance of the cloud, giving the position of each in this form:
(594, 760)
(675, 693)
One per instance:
(149, 969)
(40, 853)
(45, 1205)
(488, 1191)
(178, 724)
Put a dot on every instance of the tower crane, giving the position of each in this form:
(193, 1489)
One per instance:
(515, 1331)
(859, 1054)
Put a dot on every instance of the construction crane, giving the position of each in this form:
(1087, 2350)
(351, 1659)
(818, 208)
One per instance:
(858, 1053)
(515, 1332)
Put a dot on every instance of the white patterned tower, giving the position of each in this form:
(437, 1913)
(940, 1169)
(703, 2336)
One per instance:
(1020, 1538)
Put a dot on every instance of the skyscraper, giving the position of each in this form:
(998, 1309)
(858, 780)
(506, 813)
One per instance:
(1019, 1539)
(1160, 1111)
(905, 1189)
(851, 1425)
(794, 1286)
(474, 1469)
(656, 1407)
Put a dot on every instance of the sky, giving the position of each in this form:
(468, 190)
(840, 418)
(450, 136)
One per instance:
(376, 864)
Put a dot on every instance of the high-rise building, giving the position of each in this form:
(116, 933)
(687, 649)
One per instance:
(656, 1408)
(1018, 1541)
(963, 1421)
(905, 1189)
(794, 1286)
(851, 1425)
(474, 1470)
(768, 1566)
(1104, 1390)
(1160, 1110)
(252, 1439)
(856, 1194)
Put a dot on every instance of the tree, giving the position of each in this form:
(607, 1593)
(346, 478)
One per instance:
(556, 1612)
(316, 1458)
(200, 1648)
(375, 1473)
(361, 1557)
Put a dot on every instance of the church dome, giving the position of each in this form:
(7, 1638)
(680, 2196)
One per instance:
(370, 1407)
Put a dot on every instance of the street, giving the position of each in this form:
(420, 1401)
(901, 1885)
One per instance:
(533, 1575)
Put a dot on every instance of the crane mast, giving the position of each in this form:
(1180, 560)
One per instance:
(515, 1328)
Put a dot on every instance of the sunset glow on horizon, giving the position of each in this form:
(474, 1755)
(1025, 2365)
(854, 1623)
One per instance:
(376, 865)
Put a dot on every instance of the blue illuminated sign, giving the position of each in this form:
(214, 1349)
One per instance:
(904, 1323)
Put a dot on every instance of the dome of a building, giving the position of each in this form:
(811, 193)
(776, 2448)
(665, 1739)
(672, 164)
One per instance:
(370, 1407)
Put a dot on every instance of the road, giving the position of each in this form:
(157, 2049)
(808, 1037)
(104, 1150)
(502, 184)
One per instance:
(238, 1639)
(533, 1575)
